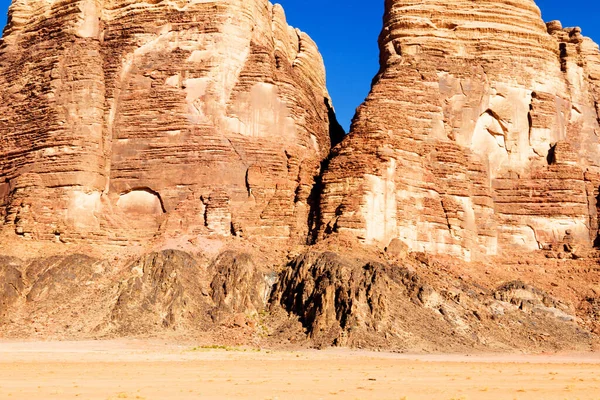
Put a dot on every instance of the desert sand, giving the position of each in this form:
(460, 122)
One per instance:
(154, 370)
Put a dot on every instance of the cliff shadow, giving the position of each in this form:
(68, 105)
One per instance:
(336, 131)
(336, 135)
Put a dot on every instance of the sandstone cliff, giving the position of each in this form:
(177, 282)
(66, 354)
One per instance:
(480, 135)
(163, 164)
(124, 120)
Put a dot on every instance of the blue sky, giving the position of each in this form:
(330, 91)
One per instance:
(346, 32)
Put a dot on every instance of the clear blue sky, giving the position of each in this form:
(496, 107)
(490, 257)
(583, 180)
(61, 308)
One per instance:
(346, 32)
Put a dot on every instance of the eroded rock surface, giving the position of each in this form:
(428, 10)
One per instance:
(169, 292)
(175, 291)
(125, 120)
(479, 136)
(358, 302)
(160, 175)
(155, 296)
(239, 285)
(11, 284)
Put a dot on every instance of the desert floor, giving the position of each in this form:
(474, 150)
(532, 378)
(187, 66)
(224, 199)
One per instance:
(154, 370)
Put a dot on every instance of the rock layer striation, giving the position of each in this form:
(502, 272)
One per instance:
(124, 120)
(162, 165)
(479, 136)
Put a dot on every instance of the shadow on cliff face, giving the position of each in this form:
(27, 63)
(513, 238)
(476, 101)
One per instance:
(336, 135)
(597, 239)
(314, 204)
(336, 131)
(4, 192)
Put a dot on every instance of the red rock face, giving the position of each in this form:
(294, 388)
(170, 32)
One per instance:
(140, 135)
(122, 119)
(480, 134)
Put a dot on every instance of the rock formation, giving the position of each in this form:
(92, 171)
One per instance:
(353, 301)
(480, 135)
(165, 169)
(174, 290)
(78, 296)
(123, 120)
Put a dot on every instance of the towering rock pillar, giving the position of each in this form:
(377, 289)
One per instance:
(127, 120)
(480, 133)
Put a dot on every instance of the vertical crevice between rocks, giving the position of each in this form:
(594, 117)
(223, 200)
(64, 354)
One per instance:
(314, 202)
(336, 131)
(336, 135)
(551, 157)
(530, 116)
(597, 240)
(563, 57)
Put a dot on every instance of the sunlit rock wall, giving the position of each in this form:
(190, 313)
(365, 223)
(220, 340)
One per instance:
(122, 119)
(480, 134)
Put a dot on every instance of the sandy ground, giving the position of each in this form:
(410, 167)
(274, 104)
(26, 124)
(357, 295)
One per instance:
(154, 370)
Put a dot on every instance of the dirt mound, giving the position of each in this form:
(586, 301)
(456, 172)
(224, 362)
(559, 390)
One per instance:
(329, 294)
(11, 283)
(361, 303)
(62, 297)
(239, 285)
(176, 291)
(157, 295)
(590, 311)
(371, 300)
(353, 302)
(56, 278)
(529, 298)
(78, 296)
